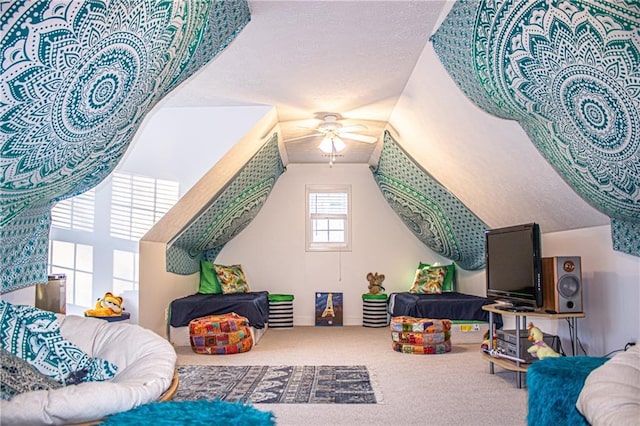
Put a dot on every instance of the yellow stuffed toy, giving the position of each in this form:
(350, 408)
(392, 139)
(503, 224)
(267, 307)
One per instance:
(108, 306)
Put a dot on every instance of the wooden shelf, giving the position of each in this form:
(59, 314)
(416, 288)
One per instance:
(537, 313)
(510, 365)
(507, 364)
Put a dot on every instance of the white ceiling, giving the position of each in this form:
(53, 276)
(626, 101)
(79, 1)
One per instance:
(308, 58)
(371, 62)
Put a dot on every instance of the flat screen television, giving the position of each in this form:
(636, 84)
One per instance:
(514, 266)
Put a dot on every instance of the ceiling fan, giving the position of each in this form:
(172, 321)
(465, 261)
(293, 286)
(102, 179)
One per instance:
(333, 132)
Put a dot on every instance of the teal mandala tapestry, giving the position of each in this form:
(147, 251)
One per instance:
(228, 213)
(432, 213)
(76, 80)
(569, 73)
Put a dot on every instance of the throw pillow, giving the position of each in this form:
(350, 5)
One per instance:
(17, 377)
(428, 279)
(447, 283)
(231, 279)
(208, 279)
(34, 335)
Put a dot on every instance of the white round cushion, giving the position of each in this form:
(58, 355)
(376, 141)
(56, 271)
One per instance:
(611, 393)
(146, 363)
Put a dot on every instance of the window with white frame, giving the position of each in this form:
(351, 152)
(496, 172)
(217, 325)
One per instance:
(75, 213)
(76, 262)
(138, 202)
(328, 224)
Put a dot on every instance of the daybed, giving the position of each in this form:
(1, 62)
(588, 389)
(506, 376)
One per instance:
(432, 296)
(252, 305)
(145, 370)
(448, 305)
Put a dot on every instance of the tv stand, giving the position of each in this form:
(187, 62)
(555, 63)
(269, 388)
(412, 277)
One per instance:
(511, 308)
(521, 320)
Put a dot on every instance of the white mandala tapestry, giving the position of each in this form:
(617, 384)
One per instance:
(569, 73)
(76, 80)
(434, 215)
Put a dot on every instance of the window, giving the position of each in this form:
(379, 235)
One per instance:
(125, 271)
(76, 213)
(138, 202)
(76, 262)
(328, 217)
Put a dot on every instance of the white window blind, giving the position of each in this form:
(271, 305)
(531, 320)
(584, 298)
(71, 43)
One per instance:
(76, 213)
(138, 202)
(328, 217)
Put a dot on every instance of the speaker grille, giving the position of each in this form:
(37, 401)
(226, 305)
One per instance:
(568, 286)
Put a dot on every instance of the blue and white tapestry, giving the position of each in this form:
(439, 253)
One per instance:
(569, 73)
(228, 212)
(76, 80)
(432, 213)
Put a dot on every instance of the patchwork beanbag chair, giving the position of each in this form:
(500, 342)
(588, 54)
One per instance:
(220, 334)
(439, 348)
(420, 338)
(420, 325)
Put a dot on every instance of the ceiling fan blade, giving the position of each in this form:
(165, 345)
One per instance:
(314, 135)
(359, 138)
(352, 128)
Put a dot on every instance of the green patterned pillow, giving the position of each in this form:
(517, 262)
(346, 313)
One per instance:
(429, 279)
(34, 336)
(447, 284)
(231, 279)
(208, 279)
(17, 376)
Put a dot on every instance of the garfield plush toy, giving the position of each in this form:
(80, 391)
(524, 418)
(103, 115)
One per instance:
(108, 306)
(375, 282)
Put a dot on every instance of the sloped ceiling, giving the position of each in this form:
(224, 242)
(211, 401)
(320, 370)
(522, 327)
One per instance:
(365, 61)
(77, 79)
(568, 73)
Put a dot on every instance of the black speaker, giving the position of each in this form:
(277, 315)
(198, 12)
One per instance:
(562, 284)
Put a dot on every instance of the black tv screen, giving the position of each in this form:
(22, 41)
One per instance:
(514, 265)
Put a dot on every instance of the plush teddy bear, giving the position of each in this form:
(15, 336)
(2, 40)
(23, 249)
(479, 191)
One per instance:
(375, 282)
(108, 306)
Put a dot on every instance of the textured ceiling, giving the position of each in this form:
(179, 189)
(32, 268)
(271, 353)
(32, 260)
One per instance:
(308, 58)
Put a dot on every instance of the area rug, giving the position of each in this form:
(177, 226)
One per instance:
(284, 384)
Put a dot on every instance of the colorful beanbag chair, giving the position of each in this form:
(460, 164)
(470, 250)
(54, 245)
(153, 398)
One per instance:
(423, 339)
(438, 348)
(220, 334)
(420, 325)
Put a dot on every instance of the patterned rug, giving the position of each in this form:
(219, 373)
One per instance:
(302, 384)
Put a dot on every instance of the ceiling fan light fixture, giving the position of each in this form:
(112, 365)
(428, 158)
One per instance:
(331, 144)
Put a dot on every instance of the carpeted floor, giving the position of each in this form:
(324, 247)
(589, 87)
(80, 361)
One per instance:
(286, 384)
(449, 389)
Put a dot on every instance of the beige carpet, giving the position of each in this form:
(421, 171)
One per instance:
(449, 389)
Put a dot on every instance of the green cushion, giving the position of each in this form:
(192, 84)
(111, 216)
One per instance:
(280, 297)
(369, 296)
(209, 283)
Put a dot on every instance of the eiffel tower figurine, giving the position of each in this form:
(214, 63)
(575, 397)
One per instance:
(328, 310)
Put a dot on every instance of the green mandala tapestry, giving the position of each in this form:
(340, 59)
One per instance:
(228, 213)
(569, 73)
(76, 80)
(432, 213)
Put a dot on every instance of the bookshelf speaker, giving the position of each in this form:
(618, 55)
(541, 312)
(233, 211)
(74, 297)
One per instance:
(562, 284)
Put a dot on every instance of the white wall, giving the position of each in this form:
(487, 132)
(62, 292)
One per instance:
(272, 248)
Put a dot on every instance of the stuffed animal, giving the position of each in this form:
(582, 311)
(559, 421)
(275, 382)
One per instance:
(375, 282)
(485, 341)
(539, 348)
(108, 306)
